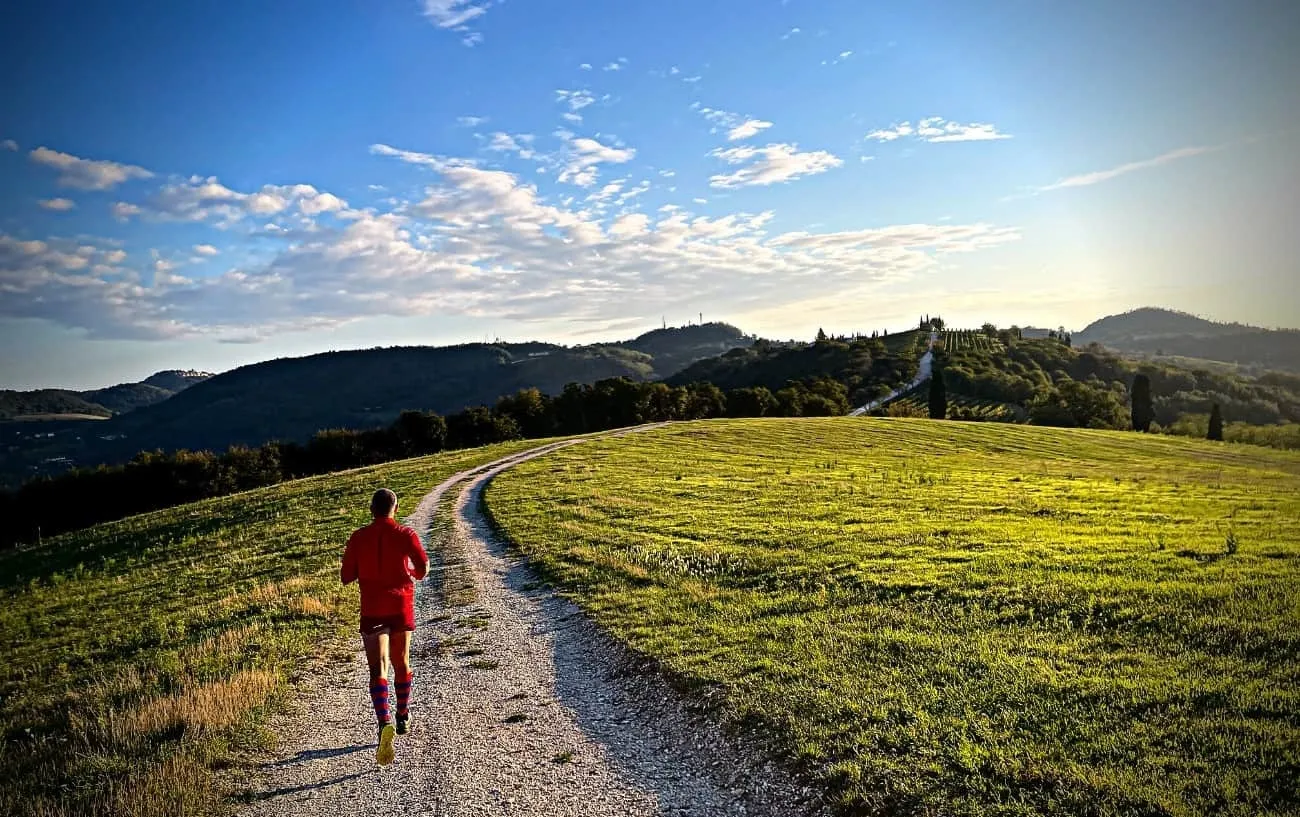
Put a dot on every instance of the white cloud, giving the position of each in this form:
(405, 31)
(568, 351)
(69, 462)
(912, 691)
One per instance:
(206, 249)
(770, 165)
(586, 66)
(569, 116)
(583, 157)
(937, 129)
(479, 242)
(452, 13)
(59, 205)
(122, 210)
(87, 174)
(470, 121)
(746, 129)
(738, 127)
(576, 100)
(199, 199)
(518, 144)
(1085, 179)
(410, 157)
(790, 33)
(8, 144)
(613, 66)
(693, 79)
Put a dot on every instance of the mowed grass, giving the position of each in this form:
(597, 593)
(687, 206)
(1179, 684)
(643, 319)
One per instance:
(141, 655)
(953, 618)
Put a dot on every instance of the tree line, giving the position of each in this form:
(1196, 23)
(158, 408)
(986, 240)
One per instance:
(153, 480)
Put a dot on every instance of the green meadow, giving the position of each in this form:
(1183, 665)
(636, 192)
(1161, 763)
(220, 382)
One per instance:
(141, 656)
(953, 618)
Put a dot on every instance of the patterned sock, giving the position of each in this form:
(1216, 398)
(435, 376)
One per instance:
(379, 697)
(403, 688)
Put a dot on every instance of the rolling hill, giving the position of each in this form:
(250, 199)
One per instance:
(1154, 332)
(923, 616)
(952, 618)
(290, 399)
(106, 402)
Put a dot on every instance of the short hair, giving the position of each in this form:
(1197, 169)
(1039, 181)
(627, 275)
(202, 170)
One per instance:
(383, 502)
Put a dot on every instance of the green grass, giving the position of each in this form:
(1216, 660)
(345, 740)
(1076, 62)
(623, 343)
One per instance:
(953, 618)
(143, 654)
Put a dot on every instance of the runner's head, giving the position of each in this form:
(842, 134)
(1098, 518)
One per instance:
(383, 503)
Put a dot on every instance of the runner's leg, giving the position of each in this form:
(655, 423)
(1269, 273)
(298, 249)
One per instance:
(377, 658)
(402, 675)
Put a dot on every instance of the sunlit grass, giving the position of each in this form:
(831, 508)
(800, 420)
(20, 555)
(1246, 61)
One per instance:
(954, 618)
(142, 654)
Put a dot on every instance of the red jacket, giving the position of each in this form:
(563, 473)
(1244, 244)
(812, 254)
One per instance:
(385, 557)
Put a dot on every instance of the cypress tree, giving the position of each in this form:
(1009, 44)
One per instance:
(1216, 424)
(1143, 412)
(938, 396)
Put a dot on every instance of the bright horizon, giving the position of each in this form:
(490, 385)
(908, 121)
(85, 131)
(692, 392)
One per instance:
(228, 185)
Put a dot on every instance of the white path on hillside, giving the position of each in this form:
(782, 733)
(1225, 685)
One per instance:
(922, 375)
(533, 711)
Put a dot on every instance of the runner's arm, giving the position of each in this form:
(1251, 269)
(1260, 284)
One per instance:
(348, 570)
(419, 559)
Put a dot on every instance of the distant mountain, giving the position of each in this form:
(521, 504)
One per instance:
(174, 380)
(48, 403)
(293, 398)
(1152, 332)
(119, 399)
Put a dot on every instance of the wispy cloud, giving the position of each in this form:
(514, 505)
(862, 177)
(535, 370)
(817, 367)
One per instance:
(58, 205)
(87, 174)
(470, 121)
(1085, 179)
(738, 127)
(771, 164)
(9, 144)
(790, 33)
(584, 156)
(453, 13)
(206, 249)
(746, 129)
(616, 65)
(938, 129)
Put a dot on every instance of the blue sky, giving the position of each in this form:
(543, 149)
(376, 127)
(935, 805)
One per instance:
(207, 185)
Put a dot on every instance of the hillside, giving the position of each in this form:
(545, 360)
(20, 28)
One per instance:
(16, 404)
(105, 402)
(866, 367)
(1161, 332)
(950, 618)
(161, 641)
(290, 399)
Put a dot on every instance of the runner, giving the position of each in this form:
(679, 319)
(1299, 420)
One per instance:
(386, 558)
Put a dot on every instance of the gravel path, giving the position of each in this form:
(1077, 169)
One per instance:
(521, 707)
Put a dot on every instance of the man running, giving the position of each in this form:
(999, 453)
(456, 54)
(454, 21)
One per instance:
(385, 558)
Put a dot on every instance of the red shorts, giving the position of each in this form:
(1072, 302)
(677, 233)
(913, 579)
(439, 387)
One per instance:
(374, 625)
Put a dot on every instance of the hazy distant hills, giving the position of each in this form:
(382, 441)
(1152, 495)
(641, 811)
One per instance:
(292, 398)
(1154, 332)
(113, 400)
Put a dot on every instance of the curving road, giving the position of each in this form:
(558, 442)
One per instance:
(521, 707)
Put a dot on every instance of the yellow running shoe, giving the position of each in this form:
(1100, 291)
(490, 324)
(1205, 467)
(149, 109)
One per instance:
(385, 753)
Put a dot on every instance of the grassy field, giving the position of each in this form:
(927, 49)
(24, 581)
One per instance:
(141, 655)
(954, 618)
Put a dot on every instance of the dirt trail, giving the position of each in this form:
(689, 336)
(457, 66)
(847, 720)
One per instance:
(521, 707)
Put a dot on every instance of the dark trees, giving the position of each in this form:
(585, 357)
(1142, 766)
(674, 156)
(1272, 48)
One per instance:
(1143, 412)
(1216, 424)
(938, 396)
